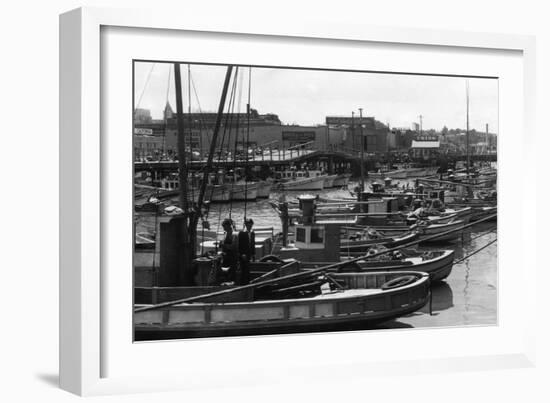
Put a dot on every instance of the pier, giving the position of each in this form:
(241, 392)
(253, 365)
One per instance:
(276, 157)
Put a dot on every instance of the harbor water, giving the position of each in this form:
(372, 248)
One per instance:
(467, 297)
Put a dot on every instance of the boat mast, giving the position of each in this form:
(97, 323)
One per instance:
(188, 247)
(214, 140)
(467, 130)
(189, 223)
(362, 149)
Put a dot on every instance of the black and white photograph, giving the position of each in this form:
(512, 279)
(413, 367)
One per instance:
(275, 200)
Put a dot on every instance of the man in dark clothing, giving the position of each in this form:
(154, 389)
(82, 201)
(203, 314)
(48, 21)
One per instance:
(230, 251)
(247, 250)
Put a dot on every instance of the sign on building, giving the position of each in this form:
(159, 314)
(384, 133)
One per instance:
(143, 131)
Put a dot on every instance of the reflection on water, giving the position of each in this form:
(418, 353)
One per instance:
(469, 295)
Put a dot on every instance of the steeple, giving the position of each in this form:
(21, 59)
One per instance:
(168, 112)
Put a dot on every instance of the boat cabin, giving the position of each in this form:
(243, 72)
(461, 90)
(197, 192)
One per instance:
(314, 240)
(293, 174)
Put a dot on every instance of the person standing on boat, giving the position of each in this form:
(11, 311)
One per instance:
(247, 250)
(230, 251)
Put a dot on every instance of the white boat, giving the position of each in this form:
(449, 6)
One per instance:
(341, 180)
(426, 230)
(394, 174)
(243, 190)
(329, 181)
(301, 180)
(264, 189)
(218, 193)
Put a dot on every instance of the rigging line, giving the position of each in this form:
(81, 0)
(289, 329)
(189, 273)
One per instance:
(218, 164)
(209, 138)
(238, 115)
(228, 122)
(144, 87)
(189, 123)
(165, 117)
(247, 139)
(236, 139)
(199, 119)
(222, 185)
(476, 251)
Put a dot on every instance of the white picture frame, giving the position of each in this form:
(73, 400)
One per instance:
(85, 309)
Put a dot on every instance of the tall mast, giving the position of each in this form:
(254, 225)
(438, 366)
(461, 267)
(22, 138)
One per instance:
(214, 137)
(182, 162)
(353, 128)
(187, 247)
(189, 120)
(362, 149)
(467, 129)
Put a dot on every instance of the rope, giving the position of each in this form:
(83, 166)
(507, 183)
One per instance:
(228, 122)
(166, 103)
(474, 252)
(145, 86)
(232, 113)
(247, 139)
(189, 123)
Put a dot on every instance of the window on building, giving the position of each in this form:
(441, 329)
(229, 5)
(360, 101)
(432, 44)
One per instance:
(300, 234)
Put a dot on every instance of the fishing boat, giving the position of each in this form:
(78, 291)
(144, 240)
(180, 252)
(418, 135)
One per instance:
(438, 263)
(441, 217)
(362, 241)
(300, 180)
(394, 174)
(241, 190)
(264, 189)
(329, 181)
(342, 180)
(426, 230)
(346, 299)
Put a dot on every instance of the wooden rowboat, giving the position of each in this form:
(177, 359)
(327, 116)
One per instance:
(363, 245)
(364, 298)
(438, 264)
(429, 230)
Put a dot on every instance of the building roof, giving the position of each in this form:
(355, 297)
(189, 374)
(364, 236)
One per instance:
(425, 144)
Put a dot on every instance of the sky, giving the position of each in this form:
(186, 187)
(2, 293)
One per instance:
(305, 97)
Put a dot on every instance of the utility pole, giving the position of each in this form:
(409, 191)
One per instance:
(353, 128)
(362, 149)
(487, 137)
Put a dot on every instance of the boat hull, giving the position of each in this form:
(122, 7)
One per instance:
(364, 245)
(434, 229)
(324, 313)
(316, 183)
(264, 189)
(329, 181)
(218, 193)
(241, 192)
(342, 180)
(438, 268)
